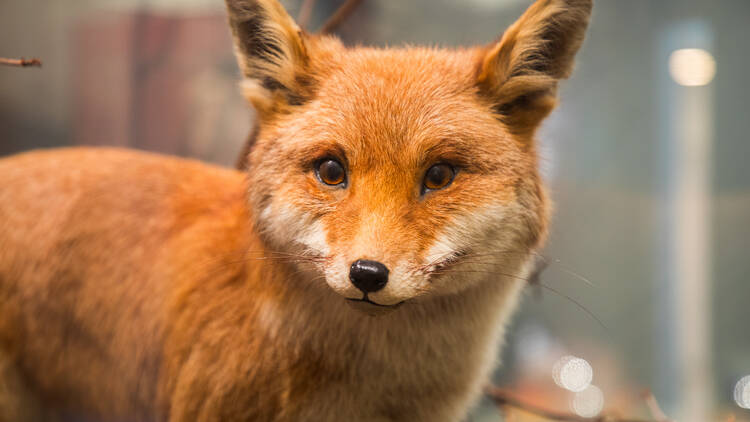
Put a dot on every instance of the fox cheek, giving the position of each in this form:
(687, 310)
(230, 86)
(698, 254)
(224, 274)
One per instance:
(290, 227)
(473, 246)
(468, 232)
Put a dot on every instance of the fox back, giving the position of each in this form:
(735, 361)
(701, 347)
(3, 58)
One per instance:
(361, 267)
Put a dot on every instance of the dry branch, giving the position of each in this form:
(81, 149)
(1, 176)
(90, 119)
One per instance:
(339, 16)
(503, 398)
(305, 12)
(21, 62)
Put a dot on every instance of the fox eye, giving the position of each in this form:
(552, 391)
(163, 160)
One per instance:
(438, 176)
(330, 172)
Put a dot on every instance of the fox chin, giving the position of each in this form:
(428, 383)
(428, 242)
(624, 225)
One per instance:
(360, 267)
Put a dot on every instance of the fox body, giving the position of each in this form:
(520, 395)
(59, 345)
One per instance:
(361, 268)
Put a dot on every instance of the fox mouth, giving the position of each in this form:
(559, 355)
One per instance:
(369, 307)
(367, 300)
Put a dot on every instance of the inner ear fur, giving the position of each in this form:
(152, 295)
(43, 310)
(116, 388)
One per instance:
(271, 53)
(519, 74)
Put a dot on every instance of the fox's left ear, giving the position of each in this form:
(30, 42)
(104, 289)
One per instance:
(271, 52)
(519, 74)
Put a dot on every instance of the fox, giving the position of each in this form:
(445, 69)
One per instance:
(362, 266)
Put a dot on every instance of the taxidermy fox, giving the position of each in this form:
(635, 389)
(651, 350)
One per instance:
(360, 269)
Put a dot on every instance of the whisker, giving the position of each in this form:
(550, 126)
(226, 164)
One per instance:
(221, 263)
(464, 255)
(436, 260)
(243, 257)
(577, 303)
(457, 271)
(569, 271)
(300, 272)
(320, 277)
(504, 251)
(557, 262)
(535, 282)
(280, 255)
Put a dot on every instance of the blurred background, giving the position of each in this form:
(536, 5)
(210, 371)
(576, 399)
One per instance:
(646, 159)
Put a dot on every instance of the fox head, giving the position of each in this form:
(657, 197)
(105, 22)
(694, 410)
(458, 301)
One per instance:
(408, 173)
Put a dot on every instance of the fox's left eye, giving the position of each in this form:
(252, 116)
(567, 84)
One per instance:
(330, 172)
(438, 176)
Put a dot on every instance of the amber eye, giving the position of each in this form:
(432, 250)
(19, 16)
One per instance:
(330, 172)
(438, 177)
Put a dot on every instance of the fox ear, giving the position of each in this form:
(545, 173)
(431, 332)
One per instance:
(271, 52)
(519, 74)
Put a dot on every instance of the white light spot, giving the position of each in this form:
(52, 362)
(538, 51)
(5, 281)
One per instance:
(588, 403)
(742, 392)
(692, 67)
(572, 373)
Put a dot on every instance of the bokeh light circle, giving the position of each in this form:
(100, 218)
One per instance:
(692, 67)
(572, 373)
(588, 403)
(742, 392)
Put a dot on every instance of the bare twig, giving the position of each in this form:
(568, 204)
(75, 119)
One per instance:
(342, 13)
(503, 398)
(305, 12)
(21, 62)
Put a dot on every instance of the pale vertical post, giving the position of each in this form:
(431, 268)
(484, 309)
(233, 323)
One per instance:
(687, 128)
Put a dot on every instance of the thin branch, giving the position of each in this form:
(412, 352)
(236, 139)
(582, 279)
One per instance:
(305, 12)
(20, 62)
(339, 16)
(503, 398)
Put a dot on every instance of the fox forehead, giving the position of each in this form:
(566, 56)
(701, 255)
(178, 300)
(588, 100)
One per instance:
(429, 72)
(405, 108)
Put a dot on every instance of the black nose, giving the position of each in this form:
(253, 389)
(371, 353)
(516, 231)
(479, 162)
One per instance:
(368, 276)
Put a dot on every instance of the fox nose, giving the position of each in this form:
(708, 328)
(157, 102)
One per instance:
(368, 276)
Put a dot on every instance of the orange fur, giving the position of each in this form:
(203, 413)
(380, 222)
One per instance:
(140, 287)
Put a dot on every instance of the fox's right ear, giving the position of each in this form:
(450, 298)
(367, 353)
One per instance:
(271, 52)
(519, 74)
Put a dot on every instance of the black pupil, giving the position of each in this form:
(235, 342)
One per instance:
(438, 175)
(331, 172)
